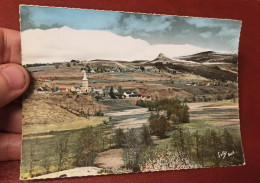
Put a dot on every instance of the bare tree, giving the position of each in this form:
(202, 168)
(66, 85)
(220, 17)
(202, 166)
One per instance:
(46, 162)
(62, 150)
(31, 159)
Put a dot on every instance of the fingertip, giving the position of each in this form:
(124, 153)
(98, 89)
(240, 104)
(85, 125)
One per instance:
(15, 77)
(14, 80)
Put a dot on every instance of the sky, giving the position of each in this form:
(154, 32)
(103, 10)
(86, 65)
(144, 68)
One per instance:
(156, 32)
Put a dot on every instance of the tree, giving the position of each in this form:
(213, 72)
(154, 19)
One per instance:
(159, 65)
(87, 147)
(32, 159)
(228, 141)
(142, 68)
(146, 136)
(185, 115)
(199, 147)
(219, 98)
(68, 64)
(119, 138)
(159, 125)
(46, 162)
(111, 93)
(62, 150)
(56, 66)
(215, 146)
(120, 90)
(182, 142)
(98, 97)
(193, 99)
(89, 69)
(131, 139)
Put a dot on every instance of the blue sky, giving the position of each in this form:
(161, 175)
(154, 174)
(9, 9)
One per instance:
(74, 18)
(214, 34)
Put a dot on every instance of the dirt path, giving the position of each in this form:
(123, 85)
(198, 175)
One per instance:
(131, 123)
(129, 112)
(110, 159)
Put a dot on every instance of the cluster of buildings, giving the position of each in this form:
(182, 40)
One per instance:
(85, 88)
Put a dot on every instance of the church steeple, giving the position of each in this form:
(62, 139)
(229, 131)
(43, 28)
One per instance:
(85, 76)
(85, 82)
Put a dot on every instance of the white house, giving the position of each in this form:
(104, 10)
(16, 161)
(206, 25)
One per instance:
(100, 91)
(128, 93)
(42, 90)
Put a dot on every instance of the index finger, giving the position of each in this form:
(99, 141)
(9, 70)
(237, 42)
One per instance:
(10, 46)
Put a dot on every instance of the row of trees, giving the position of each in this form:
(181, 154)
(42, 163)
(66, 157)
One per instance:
(167, 113)
(173, 109)
(65, 150)
(40, 157)
(131, 138)
(118, 94)
(112, 92)
(208, 148)
(199, 148)
(79, 148)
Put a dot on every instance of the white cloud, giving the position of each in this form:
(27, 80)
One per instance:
(206, 34)
(65, 44)
(228, 32)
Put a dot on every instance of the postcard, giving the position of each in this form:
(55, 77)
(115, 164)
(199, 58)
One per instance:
(119, 92)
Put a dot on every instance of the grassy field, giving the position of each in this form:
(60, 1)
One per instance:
(51, 118)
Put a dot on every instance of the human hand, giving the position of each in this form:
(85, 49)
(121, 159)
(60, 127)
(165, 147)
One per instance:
(14, 80)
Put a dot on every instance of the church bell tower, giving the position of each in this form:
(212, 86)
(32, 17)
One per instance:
(84, 87)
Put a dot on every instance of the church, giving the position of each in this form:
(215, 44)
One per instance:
(85, 86)
(82, 87)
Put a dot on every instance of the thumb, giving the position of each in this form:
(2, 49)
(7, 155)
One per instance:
(14, 80)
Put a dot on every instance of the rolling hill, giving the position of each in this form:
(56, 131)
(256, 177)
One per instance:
(211, 57)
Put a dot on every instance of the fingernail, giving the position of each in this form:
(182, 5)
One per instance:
(15, 77)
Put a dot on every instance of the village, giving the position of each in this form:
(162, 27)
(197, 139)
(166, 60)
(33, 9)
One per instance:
(84, 88)
(102, 83)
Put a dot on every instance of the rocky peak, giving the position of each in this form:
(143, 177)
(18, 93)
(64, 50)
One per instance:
(161, 57)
